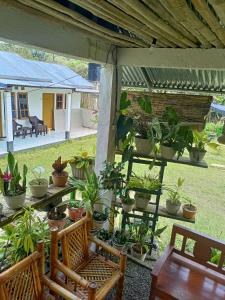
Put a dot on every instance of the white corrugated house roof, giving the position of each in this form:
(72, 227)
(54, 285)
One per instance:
(18, 71)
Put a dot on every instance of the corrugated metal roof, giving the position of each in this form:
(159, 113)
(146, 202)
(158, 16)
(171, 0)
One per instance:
(218, 108)
(210, 81)
(16, 70)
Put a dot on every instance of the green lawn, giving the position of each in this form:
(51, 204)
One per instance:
(205, 186)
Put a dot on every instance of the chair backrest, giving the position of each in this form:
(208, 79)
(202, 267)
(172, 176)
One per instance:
(24, 122)
(22, 281)
(34, 120)
(199, 248)
(75, 243)
(14, 125)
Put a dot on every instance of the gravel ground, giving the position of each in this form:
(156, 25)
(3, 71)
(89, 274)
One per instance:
(137, 283)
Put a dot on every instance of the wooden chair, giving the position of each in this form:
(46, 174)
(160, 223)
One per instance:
(87, 273)
(189, 275)
(26, 280)
(38, 125)
(18, 129)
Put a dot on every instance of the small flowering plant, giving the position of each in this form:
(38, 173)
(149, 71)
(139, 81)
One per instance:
(82, 161)
(12, 183)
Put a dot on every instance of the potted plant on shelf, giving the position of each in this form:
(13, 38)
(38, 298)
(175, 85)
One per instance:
(38, 185)
(143, 187)
(90, 192)
(173, 202)
(81, 162)
(120, 239)
(75, 209)
(57, 217)
(189, 210)
(59, 176)
(104, 235)
(197, 145)
(127, 202)
(13, 190)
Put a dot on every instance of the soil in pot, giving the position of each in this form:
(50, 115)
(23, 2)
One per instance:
(196, 155)
(189, 211)
(142, 200)
(38, 190)
(15, 202)
(59, 180)
(172, 208)
(75, 214)
(167, 152)
(137, 253)
(143, 146)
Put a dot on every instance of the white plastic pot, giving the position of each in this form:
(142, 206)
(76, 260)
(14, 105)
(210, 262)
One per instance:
(142, 200)
(143, 146)
(137, 254)
(196, 155)
(167, 152)
(38, 190)
(15, 202)
(172, 208)
(127, 207)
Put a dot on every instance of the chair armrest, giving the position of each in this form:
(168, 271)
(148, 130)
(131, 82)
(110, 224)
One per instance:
(105, 246)
(161, 261)
(61, 291)
(72, 275)
(41, 122)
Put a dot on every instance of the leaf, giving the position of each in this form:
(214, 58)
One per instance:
(11, 162)
(145, 104)
(180, 181)
(159, 231)
(80, 164)
(213, 146)
(124, 102)
(124, 126)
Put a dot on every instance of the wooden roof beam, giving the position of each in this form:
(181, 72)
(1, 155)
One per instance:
(172, 58)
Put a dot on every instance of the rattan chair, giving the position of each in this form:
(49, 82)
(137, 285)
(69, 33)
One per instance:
(88, 274)
(26, 280)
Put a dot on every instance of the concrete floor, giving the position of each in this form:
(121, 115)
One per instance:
(43, 140)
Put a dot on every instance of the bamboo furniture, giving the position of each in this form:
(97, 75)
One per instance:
(26, 280)
(185, 272)
(87, 273)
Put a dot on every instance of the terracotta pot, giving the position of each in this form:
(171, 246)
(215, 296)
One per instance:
(60, 224)
(167, 152)
(128, 207)
(143, 146)
(137, 254)
(189, 212)
(59, 180)
(15, 202)
(172, 208)
(142, 200)
(75, 214)
(38, 190)
(196, 155)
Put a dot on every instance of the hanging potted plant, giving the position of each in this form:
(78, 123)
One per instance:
(59, 176)
(189, 210)
(173, 202)
(13, 190)
(81, 162)
(120, 239)
(127, 202)
(197, 145)
(143, 186)
(75, 209)
(38, 185)
(90, 192)
(57, 217)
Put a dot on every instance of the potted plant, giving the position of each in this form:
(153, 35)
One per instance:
(38, 185)
(75, 209)
(104, 235)
(13, 190)
(173, 202)
(90, 192)
(120, 239)
(19, 239)
(81, 162)
(197, 145)
(59, 176)
(127, 202)
(189, 210)
(57, 217)
(143, 187)
(140, 235)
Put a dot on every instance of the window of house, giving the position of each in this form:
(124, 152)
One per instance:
(23, 111)
(59, 101)
(14, 109)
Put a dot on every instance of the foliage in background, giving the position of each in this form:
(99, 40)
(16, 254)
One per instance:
(111, 177)
(214, 128)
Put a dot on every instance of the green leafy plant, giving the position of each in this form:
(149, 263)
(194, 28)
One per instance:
(121, 237)
(147, 182)
(104, 235)
(82, 161)
(175, 194)
(73, 203)
(20, 238)
(10, 180)
(126, 199)
(111, 177)
(59, 166)
(200, 140)
(100, 216)
(38, 173)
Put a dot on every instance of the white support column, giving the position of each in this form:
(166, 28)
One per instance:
(68, 115)
(8, 120)
(108, 100)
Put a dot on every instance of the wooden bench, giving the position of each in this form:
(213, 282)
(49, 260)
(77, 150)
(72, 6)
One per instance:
(185, 272)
